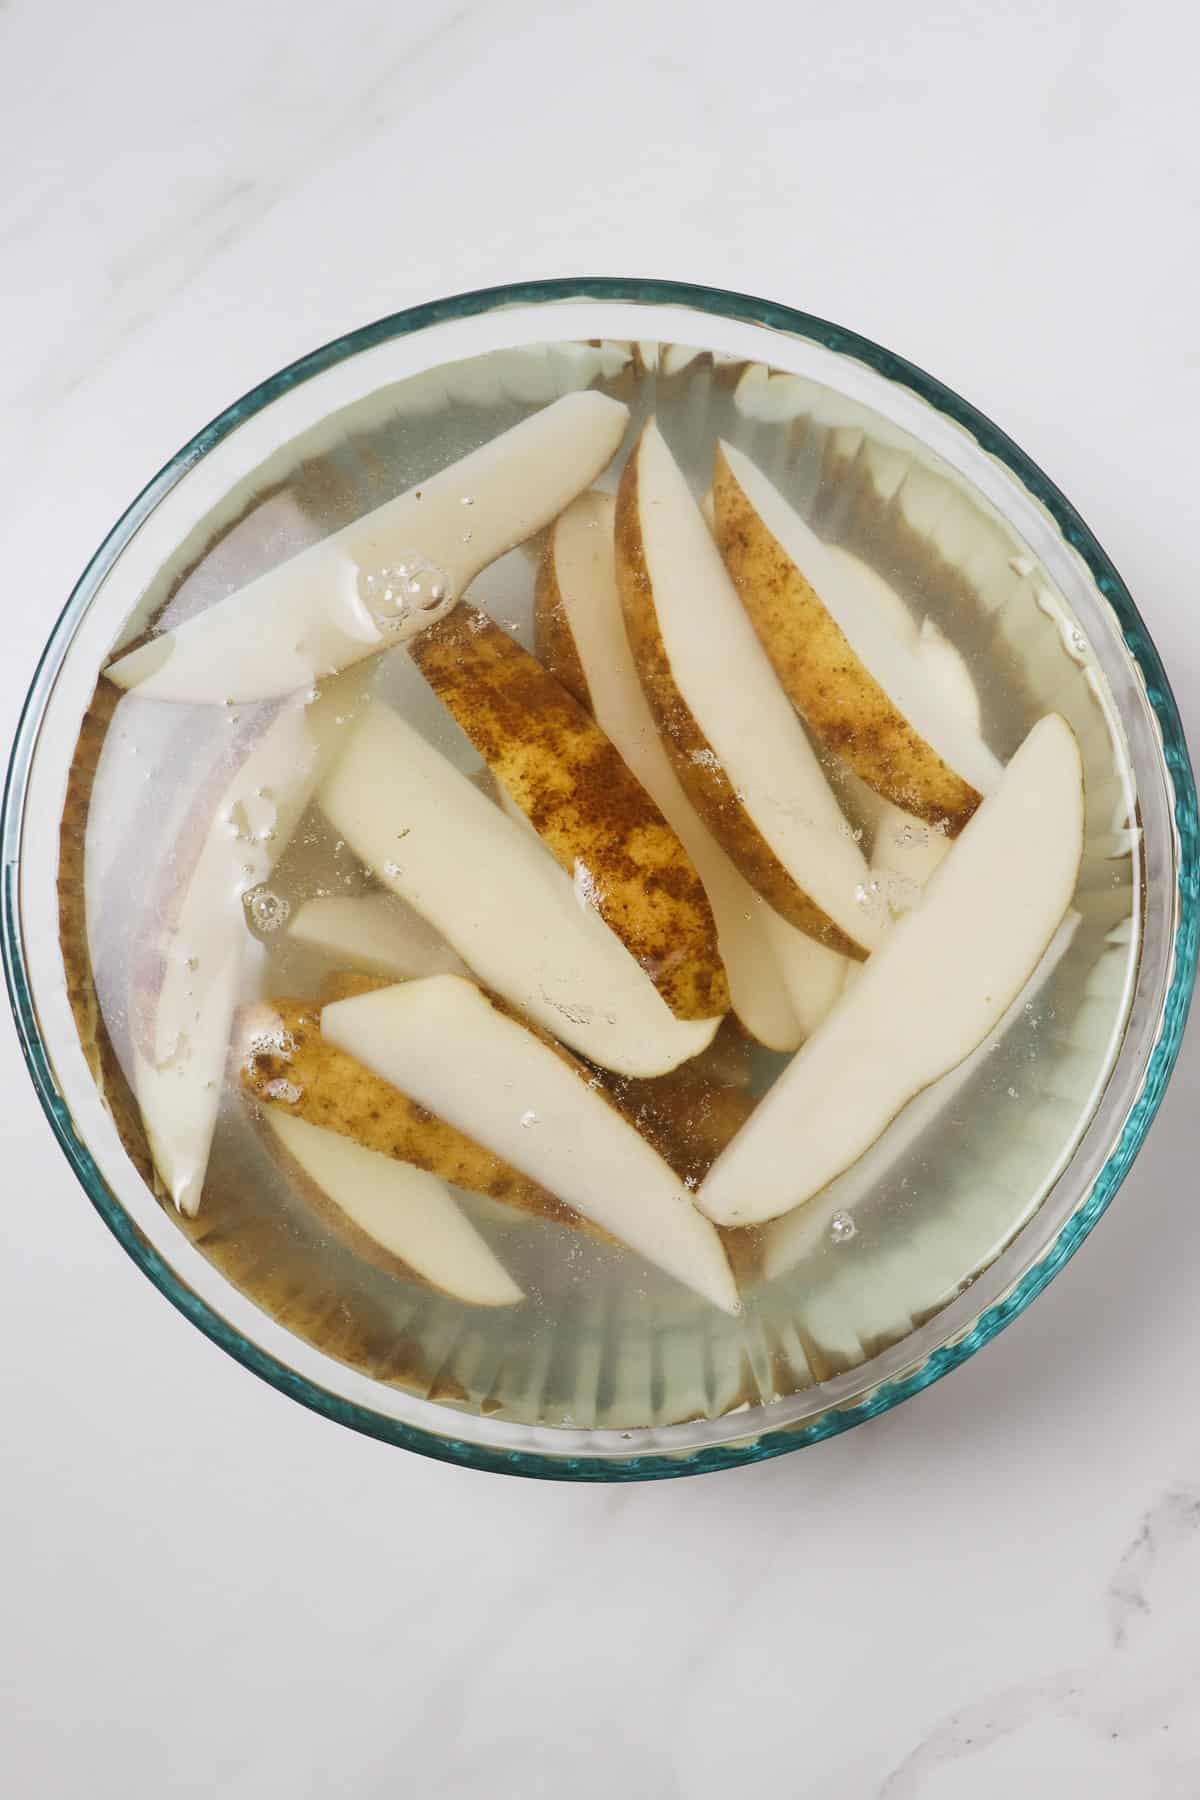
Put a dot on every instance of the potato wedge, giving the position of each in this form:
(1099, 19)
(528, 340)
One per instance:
(585, 803)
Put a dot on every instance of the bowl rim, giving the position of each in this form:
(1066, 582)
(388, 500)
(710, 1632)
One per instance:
(746, 309)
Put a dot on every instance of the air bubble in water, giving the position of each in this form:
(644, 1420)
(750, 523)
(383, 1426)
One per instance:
(393, 594)
(282, 1089)
(842, 1228)
(252, 820)
(268, 910)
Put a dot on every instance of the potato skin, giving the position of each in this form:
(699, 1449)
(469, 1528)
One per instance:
(699, 769)
(282, 1060)
(840, 701)
(589, 809)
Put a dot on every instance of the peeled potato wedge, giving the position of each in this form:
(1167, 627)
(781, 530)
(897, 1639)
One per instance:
(587, 806)
(855, 683)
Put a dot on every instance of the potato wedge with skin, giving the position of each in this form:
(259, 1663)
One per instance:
(580, 635)
(285, 1062)
(492, 891)
(738, 749)
(688, 1116)
(938, 985)
(854, 682)
(589, 809)
(536, 1106)
(392, 1214)
(382, 579)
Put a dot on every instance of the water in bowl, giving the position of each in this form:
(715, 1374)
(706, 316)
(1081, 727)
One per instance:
(602, 1339)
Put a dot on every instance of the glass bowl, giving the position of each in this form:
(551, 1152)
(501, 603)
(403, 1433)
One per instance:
(257, 437)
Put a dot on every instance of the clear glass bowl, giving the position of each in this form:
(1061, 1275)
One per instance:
(257, 436)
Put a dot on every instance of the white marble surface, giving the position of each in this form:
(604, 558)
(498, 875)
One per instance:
(208, 1591)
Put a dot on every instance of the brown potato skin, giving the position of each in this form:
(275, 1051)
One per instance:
(583, 801)
(700, 773)
(842, 704)
(689, 1116)
(280, 1041)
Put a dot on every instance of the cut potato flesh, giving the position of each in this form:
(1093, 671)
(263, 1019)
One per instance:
(581, 638)
(448, 1045)
(378, 934)
(791, 1238)
(812, 976)
(945, 667)
(286, 1064)
(737, 746)
(199, 941)
(905, 850)
(386, 576)
(937, 986)
(595, 817)
(509, 911)
(875, 592)
(398, 1210)
(858, 686)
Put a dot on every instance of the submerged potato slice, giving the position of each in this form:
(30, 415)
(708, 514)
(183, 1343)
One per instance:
(495, 894)
(839, 659)
(283, 1061)
(939, 984)
(376, 933)
(739, 751)
(542, 1110)
(689, 1115)
(383, 578)
(394, 1215)
(581, 638)
(585, 803)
